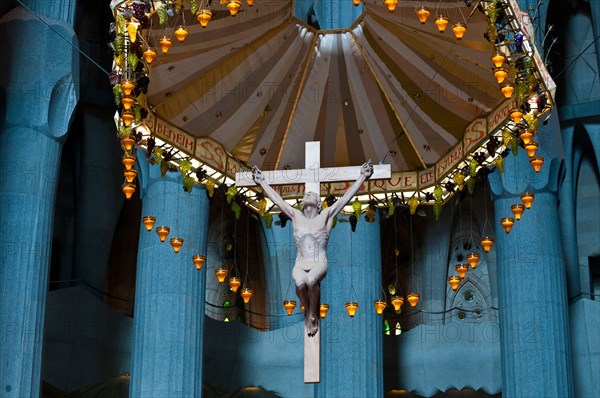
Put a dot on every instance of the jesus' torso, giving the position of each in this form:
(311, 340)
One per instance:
(311, 236)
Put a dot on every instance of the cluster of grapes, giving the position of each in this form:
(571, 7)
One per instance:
(353, 222)
(519, 42)
(283, 219)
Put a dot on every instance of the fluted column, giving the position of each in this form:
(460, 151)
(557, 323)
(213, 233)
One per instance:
(351, 348)
(169, 295)
(532, 288)
(36, 105)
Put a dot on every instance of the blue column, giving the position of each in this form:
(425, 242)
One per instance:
(351, 348)
(169, 295)
(38, 101)
(534, 323)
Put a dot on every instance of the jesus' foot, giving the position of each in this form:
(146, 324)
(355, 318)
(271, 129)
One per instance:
(311, 323)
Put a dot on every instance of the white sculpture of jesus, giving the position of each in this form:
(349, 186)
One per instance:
(312, 227)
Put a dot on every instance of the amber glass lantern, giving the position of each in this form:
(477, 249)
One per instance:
(149, 54)
(500, 74)
(397, 302)
(176, 243)
(487, 242)
(130, 174)
(127, 85)
(390, 4)
(516, 114)
(289, 306)
(413, 299)
(199, 261)
(128, 161)
(204, 16)
(531, 148)
(379, 306)
(459, 29)
(454, 281)
(507, 89)
(165, 43)
(526, 135)
(233, 6)
(351, 307)
(234, 283)
(250, 2)
(441, 22)
(221, 273)
(536, 162)
(507, 223)
(181, 33)
(473, 259)
(517, 210)
(246, 294)
(527, 199)
(356, 2)
(498, 59)
(128, 189)
(127, 102)
(127, 116)
(149, 222)
(163, 232)
(128, 142)
(423, 13)
(323, 309)
(462, 269)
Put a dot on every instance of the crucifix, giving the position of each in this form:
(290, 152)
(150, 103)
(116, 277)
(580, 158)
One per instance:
(311, 228)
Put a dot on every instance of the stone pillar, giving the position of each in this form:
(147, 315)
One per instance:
(169, 294)
(351, 348)
(36, 105)
(534, 323)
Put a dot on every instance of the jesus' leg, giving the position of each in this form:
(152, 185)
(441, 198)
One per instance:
(302, 293)
(313, 314)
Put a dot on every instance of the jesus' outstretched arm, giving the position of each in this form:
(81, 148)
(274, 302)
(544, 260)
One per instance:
(366, 171)
(285, 207)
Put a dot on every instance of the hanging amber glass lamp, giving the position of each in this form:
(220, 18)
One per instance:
(127, 101)
(423, 13)
(233, 6)
(516, 114)
(130, 174)
(413, 299)
(127, 116)
(199, 261)
(234, 283)
(356, 2)
(246, 294)
(536, 162)
(165, 43)
(507, 223)
(351, 307)
(487, 242)
(163, 232)
(323, 309)
(531, 148)
(507, 89)
(517, 210)
(128, 142)
(149, 222)
(128, 189)
(397, 302)
(289, 306)
(498, 59)
(459, 29)
(441, 22)
(379, 306)
(181, 33)
(204, 16)
(526, 135)
(462, 269)
(149, 54)
(128, 161)
(390, 4)
(221, 273)
(527, 199)
(500, 74)
(473, 259)
(176, 243)
(454, 281)
(127, 85)
(250, 2)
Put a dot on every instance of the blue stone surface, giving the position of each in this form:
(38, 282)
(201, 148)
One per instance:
(328, 14)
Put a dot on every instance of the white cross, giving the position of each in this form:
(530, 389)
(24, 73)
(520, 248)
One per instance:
(312, 176)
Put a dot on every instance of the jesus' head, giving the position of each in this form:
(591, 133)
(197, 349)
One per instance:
(311, 199)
